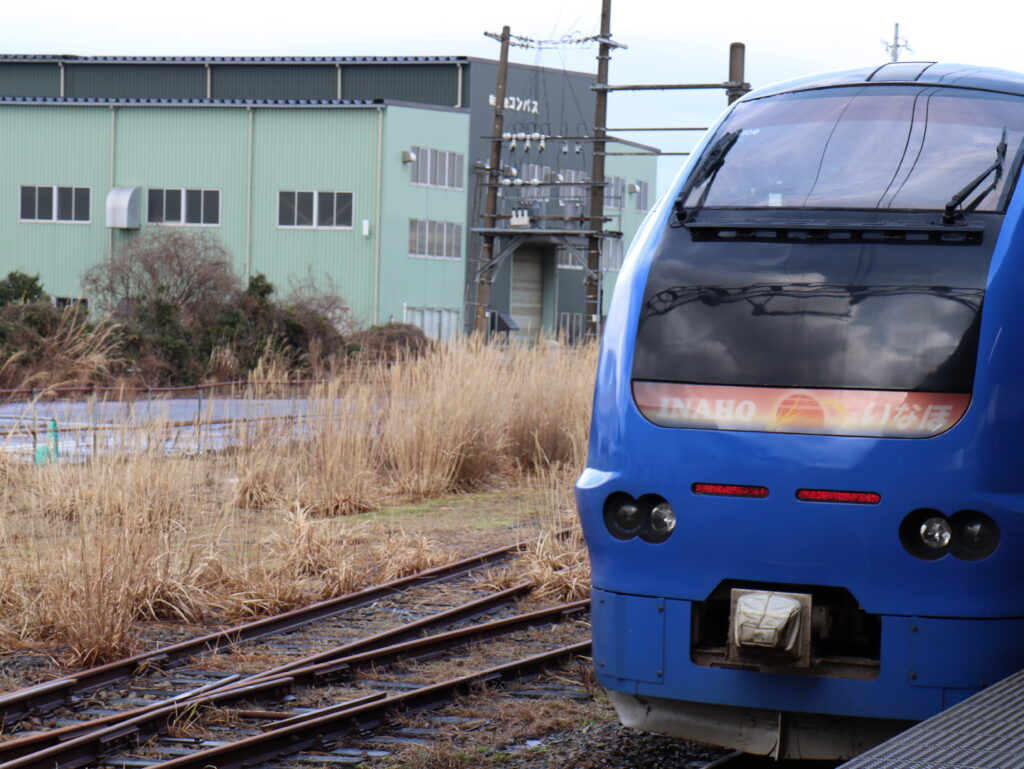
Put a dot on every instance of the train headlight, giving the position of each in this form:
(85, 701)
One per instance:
(975, 535)
(936, 532)
(663, 518)
(926, 534)
(650, 517)
(660, 519)
(629, 517)
(623, 516)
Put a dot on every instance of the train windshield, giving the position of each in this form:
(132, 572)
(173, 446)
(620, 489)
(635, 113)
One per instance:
(819, 261)
(868, 147)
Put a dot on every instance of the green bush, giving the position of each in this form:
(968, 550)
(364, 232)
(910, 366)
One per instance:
(19, 287)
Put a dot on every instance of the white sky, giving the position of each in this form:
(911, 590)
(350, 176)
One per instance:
(668, 41)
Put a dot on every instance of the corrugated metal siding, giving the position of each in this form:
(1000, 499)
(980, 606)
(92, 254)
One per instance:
(61, 146)
(29, 79)
(316, 150)
(406, 280)
(282, 81)
(169, 147)
(136, 81)
(421, 83)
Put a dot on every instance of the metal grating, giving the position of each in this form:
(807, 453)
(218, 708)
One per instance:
(985, 731)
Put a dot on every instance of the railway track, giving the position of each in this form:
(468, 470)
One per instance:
(301, 681)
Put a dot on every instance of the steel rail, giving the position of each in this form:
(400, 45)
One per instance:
(69, 751)
(24, 745)
(321, 731)
(52, 694)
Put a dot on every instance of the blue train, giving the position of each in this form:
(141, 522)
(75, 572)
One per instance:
(804, 497)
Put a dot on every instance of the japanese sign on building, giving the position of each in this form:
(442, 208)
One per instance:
(515, 104)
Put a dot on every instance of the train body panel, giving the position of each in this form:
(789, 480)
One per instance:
(899, 632)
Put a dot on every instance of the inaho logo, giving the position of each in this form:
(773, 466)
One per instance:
(801, 411)
(872, 413)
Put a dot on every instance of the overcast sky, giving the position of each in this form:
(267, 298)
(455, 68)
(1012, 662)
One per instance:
(668, 41)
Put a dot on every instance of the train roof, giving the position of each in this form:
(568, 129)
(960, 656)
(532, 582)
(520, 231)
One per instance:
(919, 72)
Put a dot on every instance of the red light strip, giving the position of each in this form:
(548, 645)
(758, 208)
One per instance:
(825, 495)
(730, 490)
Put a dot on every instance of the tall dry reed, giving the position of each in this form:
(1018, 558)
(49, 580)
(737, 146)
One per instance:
(89, 549)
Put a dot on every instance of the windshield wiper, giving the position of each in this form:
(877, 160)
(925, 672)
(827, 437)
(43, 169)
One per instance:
(706, 170)
(949, 213)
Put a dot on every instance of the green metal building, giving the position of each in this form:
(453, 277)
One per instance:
(364, 174)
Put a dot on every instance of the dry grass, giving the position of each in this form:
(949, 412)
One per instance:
(91, 549)
(556, 561)
(73, 353)
(500, 722)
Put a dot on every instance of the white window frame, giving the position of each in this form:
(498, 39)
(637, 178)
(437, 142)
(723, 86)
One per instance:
(613, 254)
(451, 239)
(566, 260)
(446, 321)
(643, 203)
(615, 192)
(53, 202)
(184, 206)
(449, 175)
(316, 211)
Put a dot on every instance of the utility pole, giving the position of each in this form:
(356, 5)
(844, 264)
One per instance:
(894, 47)
(486, 268)
(592, 302)
(737, 58)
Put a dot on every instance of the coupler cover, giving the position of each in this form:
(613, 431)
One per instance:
(770, 627)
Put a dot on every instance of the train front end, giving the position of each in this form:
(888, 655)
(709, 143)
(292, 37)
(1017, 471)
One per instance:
(804, 500)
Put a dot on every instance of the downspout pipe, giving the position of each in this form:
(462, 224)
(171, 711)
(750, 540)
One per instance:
(378, 215)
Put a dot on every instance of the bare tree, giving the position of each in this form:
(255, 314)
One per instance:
(188, 269)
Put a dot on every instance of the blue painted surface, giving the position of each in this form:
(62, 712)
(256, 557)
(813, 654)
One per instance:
(922, 670)
(975, 610)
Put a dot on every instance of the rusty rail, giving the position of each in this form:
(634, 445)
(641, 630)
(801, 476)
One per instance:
(52, 694)
(70, 751)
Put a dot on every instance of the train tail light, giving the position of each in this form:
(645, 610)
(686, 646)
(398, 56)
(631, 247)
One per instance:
(730, 490)
(828, 495)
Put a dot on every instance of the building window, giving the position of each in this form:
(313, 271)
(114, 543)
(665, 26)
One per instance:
(182, 206)
(570, 326)
(567, 260)
(439, 240)
(55, 204)
(314, 209)
(63, 302)
(437, 168)
(573, 190)
(436, 323)
(198, 207)
(642, 191)
(612, 252)
(614, 191)
(539, 192)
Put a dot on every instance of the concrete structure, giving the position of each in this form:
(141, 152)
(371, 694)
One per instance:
(364, 172)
